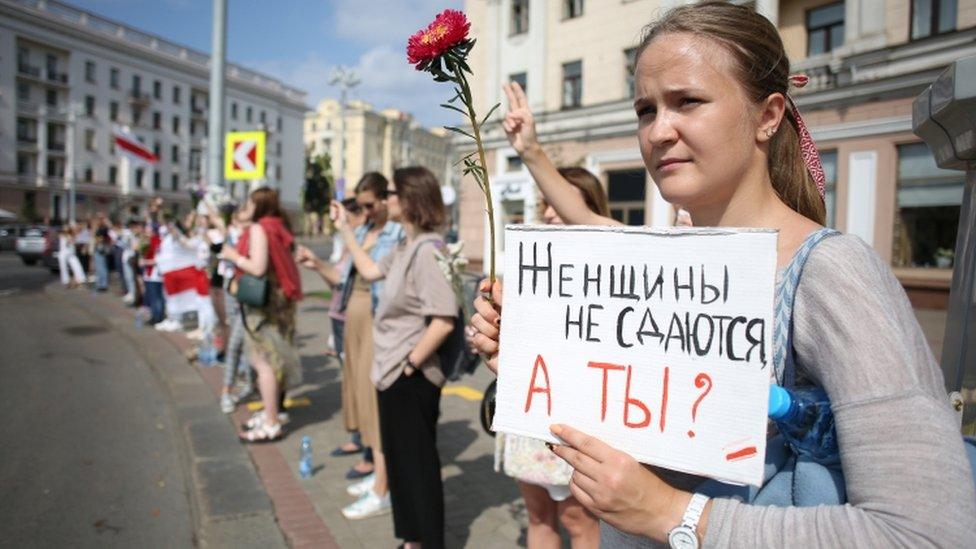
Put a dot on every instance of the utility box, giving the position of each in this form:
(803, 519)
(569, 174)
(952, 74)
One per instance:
(944, 115)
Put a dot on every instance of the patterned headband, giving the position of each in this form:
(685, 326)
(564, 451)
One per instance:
(808, 149)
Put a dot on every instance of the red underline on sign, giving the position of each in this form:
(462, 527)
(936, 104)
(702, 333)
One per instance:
(741, 454)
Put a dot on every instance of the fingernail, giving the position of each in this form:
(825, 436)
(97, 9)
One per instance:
(556, 428)
(549, 445)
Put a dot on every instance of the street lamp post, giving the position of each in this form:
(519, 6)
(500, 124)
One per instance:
(69, 159)
(346, 79)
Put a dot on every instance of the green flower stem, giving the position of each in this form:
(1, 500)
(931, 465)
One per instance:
(486, 186)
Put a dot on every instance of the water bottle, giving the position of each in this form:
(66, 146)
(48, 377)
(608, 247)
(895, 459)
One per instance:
(805, 420)
(305, 462)
(207, 354)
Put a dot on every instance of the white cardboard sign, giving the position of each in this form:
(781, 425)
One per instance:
(656, 341)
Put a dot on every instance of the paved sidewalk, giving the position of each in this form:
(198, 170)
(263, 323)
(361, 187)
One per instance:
(483, 508)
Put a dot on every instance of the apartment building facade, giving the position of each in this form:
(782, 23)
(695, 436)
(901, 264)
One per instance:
(379, 141)
(867, 60)
(54, 58)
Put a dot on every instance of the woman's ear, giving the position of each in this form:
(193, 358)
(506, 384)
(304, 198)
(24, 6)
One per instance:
(771, 113)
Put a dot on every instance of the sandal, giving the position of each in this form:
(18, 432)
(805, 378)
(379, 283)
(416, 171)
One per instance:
(341, 451)
(263, 433)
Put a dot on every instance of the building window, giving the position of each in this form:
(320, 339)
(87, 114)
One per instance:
(174, 182)
(520, 16)
(278, 148)
(89, 174)
(52, 97)
(157, 149)
(24, 163)
(139, 174)
(157, 89)
(55, 168)
(513, 163)
(278, 172)
(264, 117)
(156, 181)
(113, 174)
(522, 79)
(90, 105)
(572, 84)
(157, 122)
(23, 91)
(111, 144)
(233, 110)
(175, 153)
(136, 85)
(90, 143)
(630, 60)
(278, 124)
(90, 71)
(249, 114)
(825, 28)
(572, 8)
(930, 17)
(829, 161)
(625, 191)
(928, 204)
(113, 78)
(136, 115)
(176, 95)
(113, 111)
(176, 124)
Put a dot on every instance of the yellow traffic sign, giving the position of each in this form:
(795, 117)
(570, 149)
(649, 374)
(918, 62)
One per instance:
(244, 156)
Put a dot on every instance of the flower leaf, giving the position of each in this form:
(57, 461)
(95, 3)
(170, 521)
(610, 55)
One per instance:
(458, 130)
(453, 108)
(485, 119)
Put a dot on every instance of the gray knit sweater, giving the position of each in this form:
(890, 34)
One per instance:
(908, 480)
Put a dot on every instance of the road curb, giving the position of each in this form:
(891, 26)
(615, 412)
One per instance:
(227, 496)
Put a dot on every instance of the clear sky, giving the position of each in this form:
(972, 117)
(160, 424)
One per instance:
(299, 41)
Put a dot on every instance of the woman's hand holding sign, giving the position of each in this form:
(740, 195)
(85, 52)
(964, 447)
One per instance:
(618, 489)
(487, 323)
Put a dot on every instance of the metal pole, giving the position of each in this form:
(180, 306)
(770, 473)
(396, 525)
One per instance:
(341, 168)
(69, 162)
(215, 141)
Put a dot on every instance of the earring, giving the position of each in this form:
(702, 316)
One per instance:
(770, 133)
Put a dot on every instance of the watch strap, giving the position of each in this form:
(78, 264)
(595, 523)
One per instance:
(694, 511)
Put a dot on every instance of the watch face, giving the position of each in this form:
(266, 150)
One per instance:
(683, 537)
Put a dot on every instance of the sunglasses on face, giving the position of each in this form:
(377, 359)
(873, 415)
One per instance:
(369, 206)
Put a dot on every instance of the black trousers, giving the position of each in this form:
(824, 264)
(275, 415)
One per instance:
(408, 412)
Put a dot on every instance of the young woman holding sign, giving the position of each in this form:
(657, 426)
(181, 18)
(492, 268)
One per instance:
(720, 136)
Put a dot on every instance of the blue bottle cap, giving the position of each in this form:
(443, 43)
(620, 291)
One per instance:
(306, 438)
(779, 401)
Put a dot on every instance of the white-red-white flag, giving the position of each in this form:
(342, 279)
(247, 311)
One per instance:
(129, 145)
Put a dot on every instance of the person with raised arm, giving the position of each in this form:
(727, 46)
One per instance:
(720, 134)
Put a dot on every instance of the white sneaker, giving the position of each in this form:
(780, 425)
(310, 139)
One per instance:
(257, 419)
(227, 404)
(168, 326)
(370, 505)
(360, 487)
(129, 299)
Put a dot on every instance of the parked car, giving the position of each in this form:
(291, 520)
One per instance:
(49, 257)
(8, 236)
(31, 244)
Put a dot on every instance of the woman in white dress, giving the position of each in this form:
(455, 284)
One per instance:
(68, 259)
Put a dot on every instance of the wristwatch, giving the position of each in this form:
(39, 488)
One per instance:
(685, 535)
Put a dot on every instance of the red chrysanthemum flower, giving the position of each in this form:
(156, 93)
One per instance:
(448, 29)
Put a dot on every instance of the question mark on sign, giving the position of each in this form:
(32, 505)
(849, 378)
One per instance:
(702, 380)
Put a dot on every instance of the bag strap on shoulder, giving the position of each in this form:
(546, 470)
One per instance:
(785, 296)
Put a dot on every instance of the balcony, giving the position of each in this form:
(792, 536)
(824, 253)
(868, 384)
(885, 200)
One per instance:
(57, 77)
(137, 97)
(24, 69)
(54, 146)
